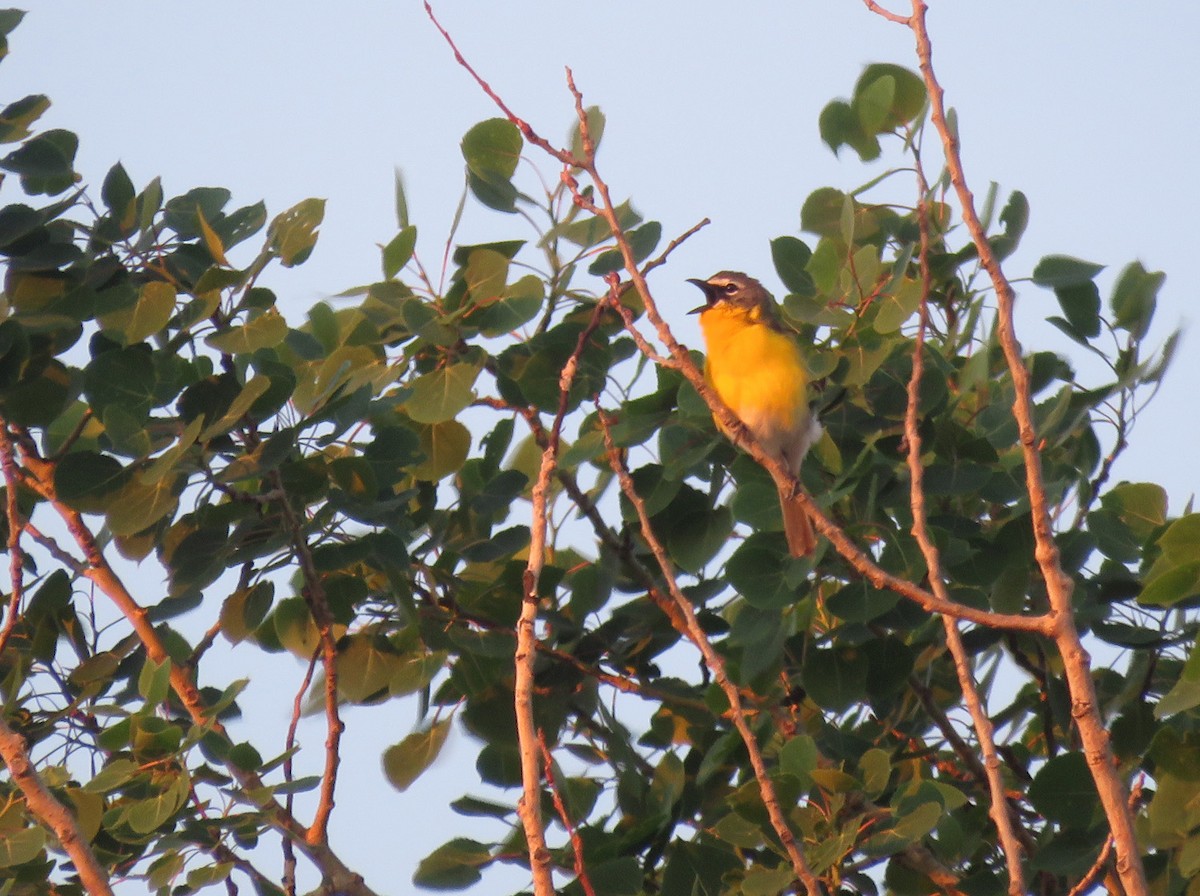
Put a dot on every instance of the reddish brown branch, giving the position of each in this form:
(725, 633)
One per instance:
(716, 665)
(99, 571)
(16, 563)
(998, 807)
(1085, 709)
(572, 833)
(529, 805)
(318, 607)
(50, 812)
(289, 746)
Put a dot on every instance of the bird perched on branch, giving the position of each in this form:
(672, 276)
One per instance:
(756, 368)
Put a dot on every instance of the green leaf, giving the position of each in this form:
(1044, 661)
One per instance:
(757, 573)
(440, 395)
(834, 677)
(492, 150)
(1134, 298)
(873, 102)
(897, 306)
(401, 201)
(1063, 791)
(147, 316)
(642, 241)
(122, 377)
(398, 251)
(504, 313)
(266, 329)
(452, 866)
(887, 96)
(1080, 303)
(293, 234)
(117, 193)
(1062, 270)
(88, 481)
(362, 670)
(45, 162)
(154, 682)
(114, 774)
(790, 256)
(800, 757)
(151, 814)
(16, 117)
(908, 829)
(140, 505)
(1169, 588)
(21, 845)
(404, 762)
(245, 609)
(238, 408)
(1142, 506)
(1181, 541)
(861, 602)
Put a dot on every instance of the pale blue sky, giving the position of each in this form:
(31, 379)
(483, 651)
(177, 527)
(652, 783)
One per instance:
(1090, 109)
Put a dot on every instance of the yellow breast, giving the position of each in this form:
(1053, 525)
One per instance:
(757, 371)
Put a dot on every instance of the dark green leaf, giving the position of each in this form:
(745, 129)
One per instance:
(397, 253)
(492, 150)
(452, 866)
(404, 762)
(88, 481)
(791, 257)
(1134, 298)
(1062, 270)
(1063, 791)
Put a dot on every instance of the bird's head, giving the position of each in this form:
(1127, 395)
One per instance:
(733, 290)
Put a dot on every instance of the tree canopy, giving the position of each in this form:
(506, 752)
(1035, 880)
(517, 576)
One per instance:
(496, 492)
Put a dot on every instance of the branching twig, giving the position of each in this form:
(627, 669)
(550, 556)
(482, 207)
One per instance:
(16, 562)
(50, 812)
(998, 804)
(318, 606)
(100, 573)
(716, 665)
(576, 843)
(289, 746)
(1085, 709)
(529, 806)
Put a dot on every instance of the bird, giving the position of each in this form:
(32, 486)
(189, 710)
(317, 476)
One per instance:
(756, 368)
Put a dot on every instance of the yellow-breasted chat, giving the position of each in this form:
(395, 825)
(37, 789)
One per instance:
(756, 368)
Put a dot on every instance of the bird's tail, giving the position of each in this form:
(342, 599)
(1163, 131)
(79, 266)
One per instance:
(801, 539)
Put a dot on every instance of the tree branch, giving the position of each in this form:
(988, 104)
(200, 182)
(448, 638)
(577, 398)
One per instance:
(1085, 709)
(99, 571)
(51, 812)
(998, 803)
(716, 665)
(529, 806)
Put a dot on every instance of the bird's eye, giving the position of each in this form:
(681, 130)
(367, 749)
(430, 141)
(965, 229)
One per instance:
(730, 288)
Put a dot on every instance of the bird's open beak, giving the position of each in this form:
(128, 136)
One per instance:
(710, 295)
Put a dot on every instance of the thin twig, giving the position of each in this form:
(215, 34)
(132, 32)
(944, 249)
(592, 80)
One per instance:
(998, 803)
(16, 560)
(43, 806)
(1077, 664)
(314, 597)
(100, 573)
(716, 665)
(576, 843)
(529, 805)
(289, 746)
(886, 13)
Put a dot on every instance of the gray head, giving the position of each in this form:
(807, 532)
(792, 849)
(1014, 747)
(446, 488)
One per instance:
(736, 289)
